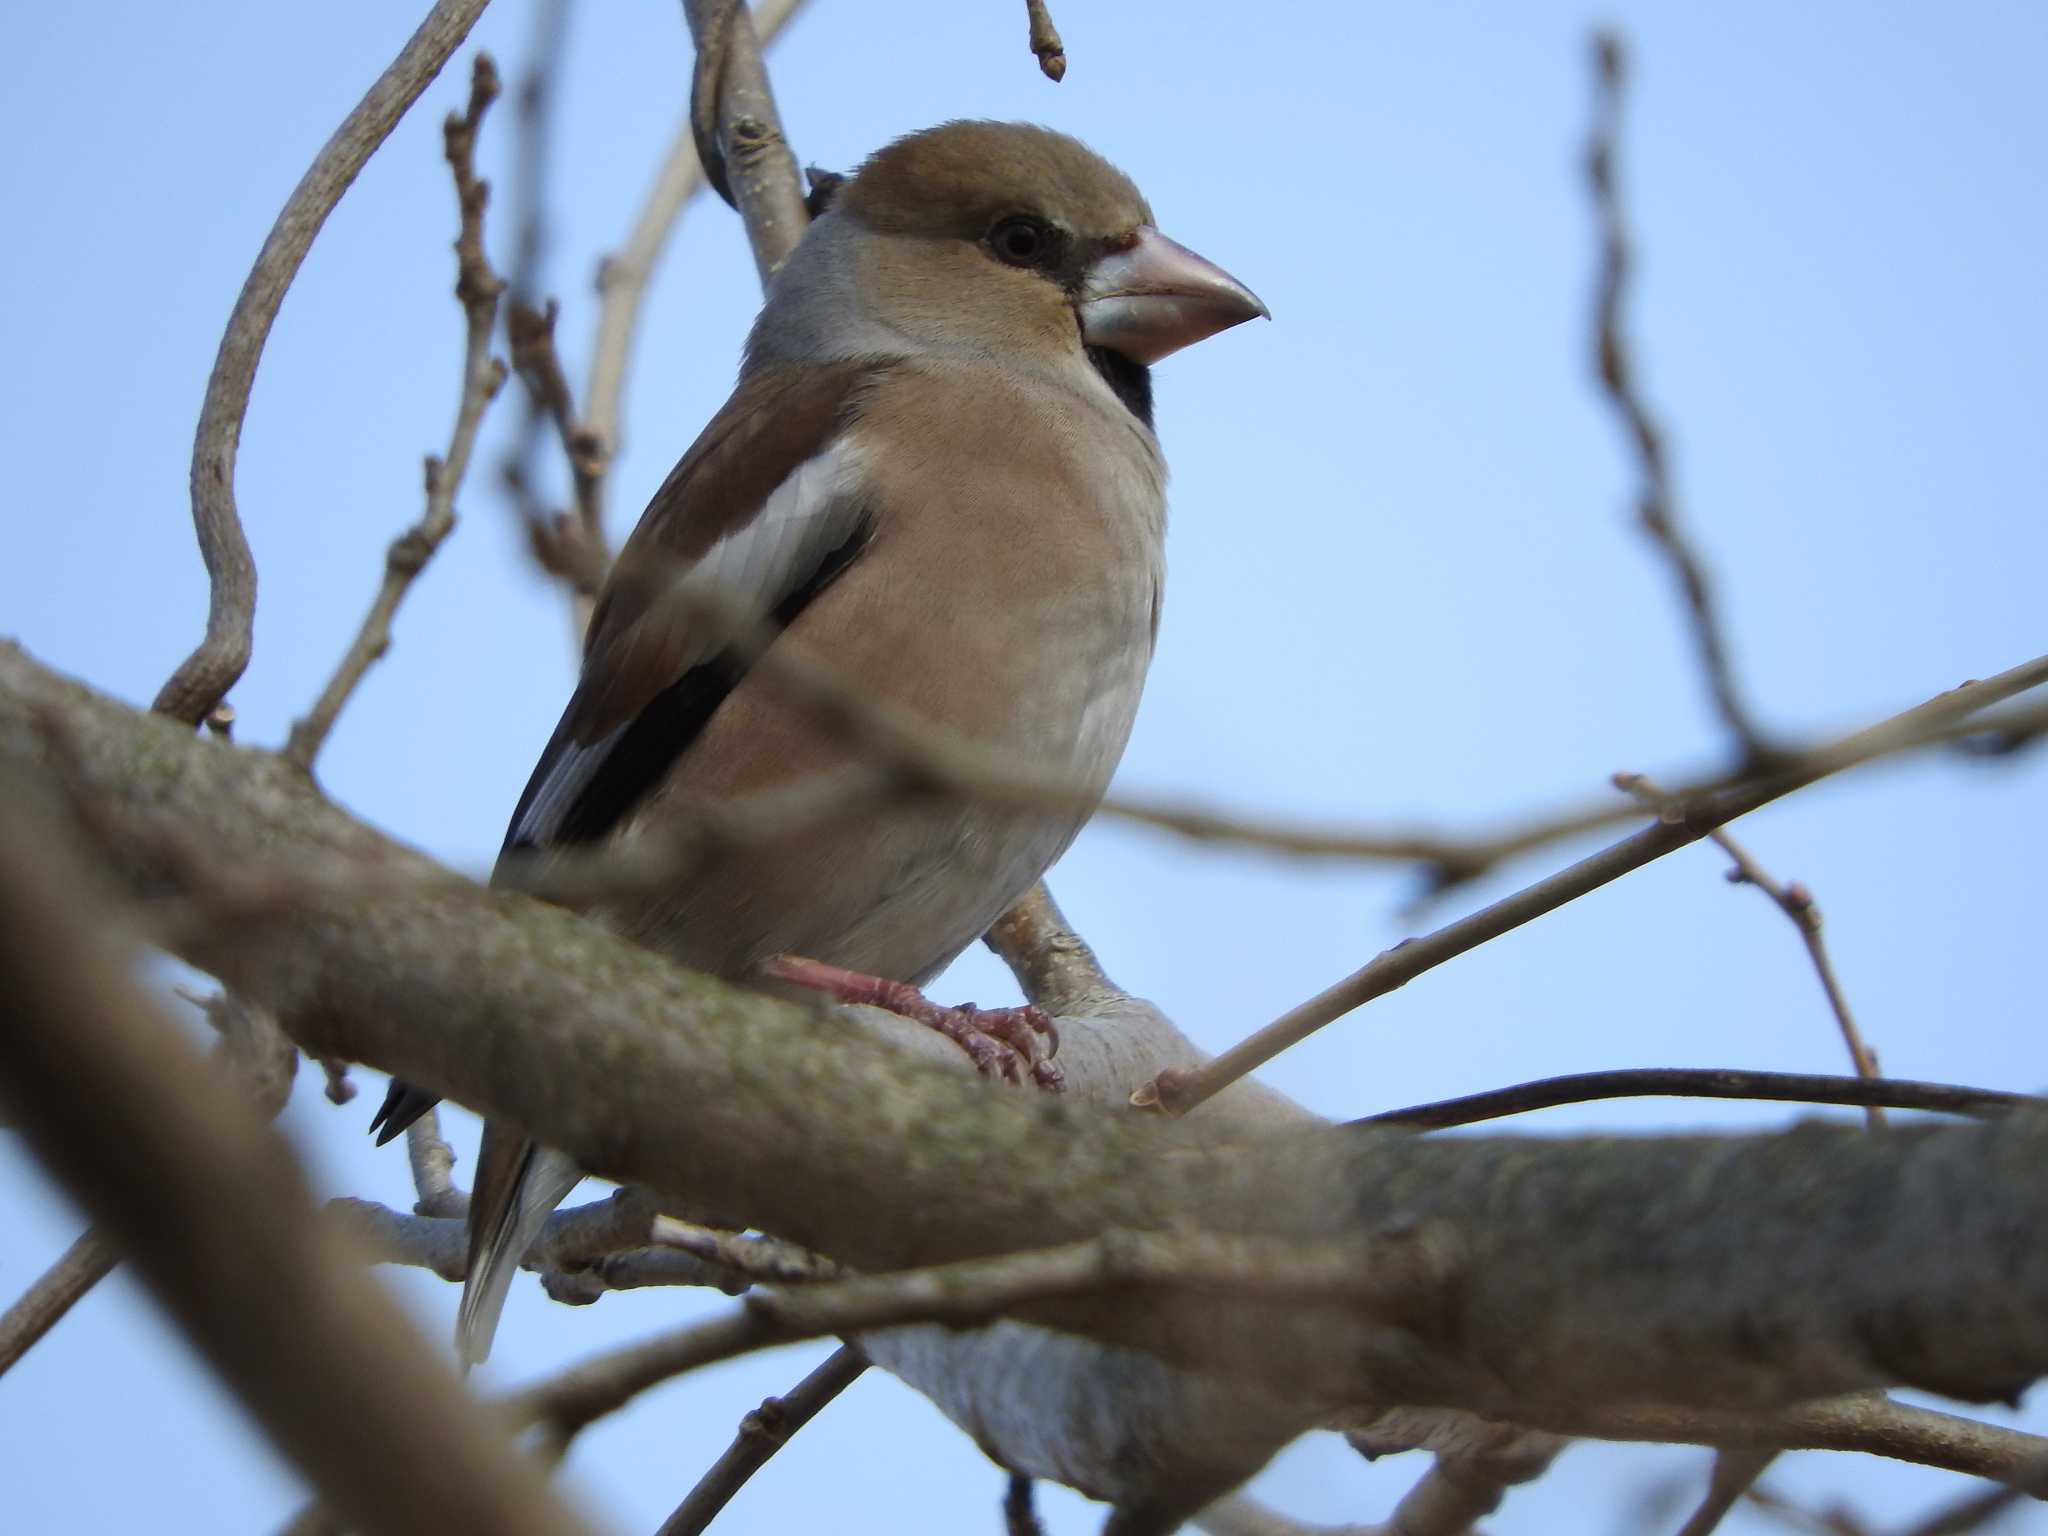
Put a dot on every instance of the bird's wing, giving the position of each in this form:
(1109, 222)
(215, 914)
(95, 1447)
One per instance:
(763, 511)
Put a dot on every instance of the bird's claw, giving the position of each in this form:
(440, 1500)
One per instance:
(1001, 1042)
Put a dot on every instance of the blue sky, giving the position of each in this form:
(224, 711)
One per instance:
(1404, 584)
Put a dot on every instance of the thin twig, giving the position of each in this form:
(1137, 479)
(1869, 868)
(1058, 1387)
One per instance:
(1978, 1510)
(477, 287)
(764, 1259)
(762, 1433)
(1703, 1083)
(623, 277)
(433, 1169)
(1654, 499)
(83, 1265)
(1689, 817)
(569, 547)
(1734, 1473)
(1020, 1507)
(1797, 903)
(1045, 41)
(203, 678)
(1397, 1267)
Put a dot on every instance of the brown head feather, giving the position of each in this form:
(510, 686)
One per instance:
(957, 179)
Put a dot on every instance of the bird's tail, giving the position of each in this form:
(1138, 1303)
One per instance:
(518, 1183)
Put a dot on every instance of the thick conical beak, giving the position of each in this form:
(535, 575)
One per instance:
(1154, 297)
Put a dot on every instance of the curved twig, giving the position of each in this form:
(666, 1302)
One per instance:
(203, 678)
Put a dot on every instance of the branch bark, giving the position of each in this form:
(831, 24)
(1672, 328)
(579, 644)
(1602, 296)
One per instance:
(152, 1143)
(1893, 1258)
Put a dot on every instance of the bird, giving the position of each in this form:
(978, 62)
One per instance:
(938, 476)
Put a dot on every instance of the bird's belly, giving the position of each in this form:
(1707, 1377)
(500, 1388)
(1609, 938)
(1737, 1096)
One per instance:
(901, 888)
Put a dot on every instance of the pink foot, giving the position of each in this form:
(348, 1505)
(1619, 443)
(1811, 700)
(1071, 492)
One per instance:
(997, 1040)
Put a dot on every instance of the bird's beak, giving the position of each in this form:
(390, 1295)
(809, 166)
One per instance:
(1154, 297)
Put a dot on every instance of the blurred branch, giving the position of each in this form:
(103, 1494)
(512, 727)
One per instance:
(572, 548)
(203, 678)
(1868, 1422)
(1905, 1274)
(83, 1265)
(1978, 1510)
(623, 278)
(1045, 41)
(1702, 1083)
(1797, 903)
(477, 288)
(1735, 1472)
(581, 1253)
(142, 1134)
(1654, 501)
(1384, 1275)
(1687, 816)
(761, 1434)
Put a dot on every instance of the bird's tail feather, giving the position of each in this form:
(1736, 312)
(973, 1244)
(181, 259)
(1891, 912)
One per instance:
(518, 1184)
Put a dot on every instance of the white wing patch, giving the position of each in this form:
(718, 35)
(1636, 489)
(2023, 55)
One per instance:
(755, 568)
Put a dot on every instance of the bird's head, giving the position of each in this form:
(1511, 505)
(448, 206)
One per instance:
(1009, 239)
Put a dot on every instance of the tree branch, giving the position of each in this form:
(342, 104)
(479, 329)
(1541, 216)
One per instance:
(763, 1432)
(204, 678)
(1685, 819)
(738, 131)
(1654, 500)
(83, 1265)
(145, 1137)
(477, 288)
(1893, 1259)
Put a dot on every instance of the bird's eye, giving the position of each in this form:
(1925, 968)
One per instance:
(1022, 242)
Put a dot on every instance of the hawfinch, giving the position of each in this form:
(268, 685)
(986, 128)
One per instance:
(938, 477)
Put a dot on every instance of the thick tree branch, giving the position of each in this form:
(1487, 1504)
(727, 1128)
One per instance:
(1894, 1259)
(147, 1139)
(204, 678)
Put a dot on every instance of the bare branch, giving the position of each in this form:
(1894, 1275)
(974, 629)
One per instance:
(203, 678)
(1797, 903)
(1733, 1475)
(1686, 819)
(1045, 41)
(433, 1169)
(1654, 501)
(1386, 1274)
(1979, 1510)
(572, 548)
(1868, 1422)
(761, 1434)
(738, 132)
(1702, 1083)
(623, 277)
(87, 1262)
(144, 1136)
(1905, 1274)
(477, 287)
